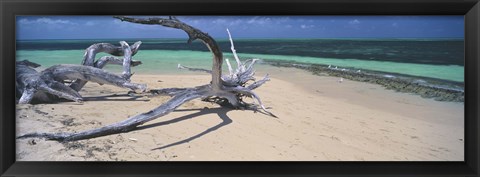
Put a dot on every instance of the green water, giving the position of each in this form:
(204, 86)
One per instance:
(153, 61)
(445, 72)
(166, 61)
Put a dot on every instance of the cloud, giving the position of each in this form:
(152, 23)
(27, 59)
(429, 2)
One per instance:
(133, 26)
(47, 21)
(306, 26)
(282, 20)
(219, 21)
(90, 23)
(259, 20)
(235, 22)
(354, 22)
(196, 22)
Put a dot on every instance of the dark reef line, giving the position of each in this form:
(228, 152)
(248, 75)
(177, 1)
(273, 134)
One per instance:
(439, 90)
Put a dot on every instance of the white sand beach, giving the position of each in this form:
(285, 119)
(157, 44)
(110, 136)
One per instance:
(319, 119)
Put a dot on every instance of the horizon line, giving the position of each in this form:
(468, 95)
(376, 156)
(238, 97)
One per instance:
(246, 38)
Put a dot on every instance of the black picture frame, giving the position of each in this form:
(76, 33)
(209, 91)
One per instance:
(10, 8)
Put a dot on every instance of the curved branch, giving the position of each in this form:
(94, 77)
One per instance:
(91, 52)
(193, 34)
(103, 61)
(127, 58)
(94, 49)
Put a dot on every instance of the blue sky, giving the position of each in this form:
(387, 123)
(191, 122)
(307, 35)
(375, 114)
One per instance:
(106, 27)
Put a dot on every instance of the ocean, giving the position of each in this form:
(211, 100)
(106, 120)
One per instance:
(441, 59)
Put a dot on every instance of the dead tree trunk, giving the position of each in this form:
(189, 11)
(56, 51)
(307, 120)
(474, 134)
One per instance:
(227, 90)
(32, 84)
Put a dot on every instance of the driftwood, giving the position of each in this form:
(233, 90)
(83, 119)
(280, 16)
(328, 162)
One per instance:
(124, 50)
(227, 90)
(51, 83)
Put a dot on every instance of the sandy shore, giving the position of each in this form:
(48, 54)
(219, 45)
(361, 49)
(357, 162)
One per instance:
(320, 119)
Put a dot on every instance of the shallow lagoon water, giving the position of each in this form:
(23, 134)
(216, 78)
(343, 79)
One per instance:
(166, 61)
(432, 58)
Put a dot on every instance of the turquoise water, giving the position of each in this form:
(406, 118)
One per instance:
(166, 61)
(153, 61)
(445, 72)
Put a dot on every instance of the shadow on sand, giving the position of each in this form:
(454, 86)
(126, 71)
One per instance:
(221, 112)
(116, 97)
